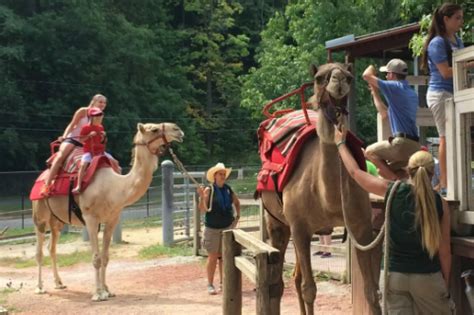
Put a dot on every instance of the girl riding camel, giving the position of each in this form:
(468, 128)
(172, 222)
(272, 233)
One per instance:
(93, 139)
(70, 139)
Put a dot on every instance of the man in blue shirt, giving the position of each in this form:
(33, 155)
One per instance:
(391, 155)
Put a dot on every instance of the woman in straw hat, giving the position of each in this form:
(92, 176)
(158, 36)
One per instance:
(216, 202)
(420, 250)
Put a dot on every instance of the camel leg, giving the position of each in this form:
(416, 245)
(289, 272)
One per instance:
(302, 241)
(53, 241)
(298, 278)
(279, 236)
(106, 239)
(92, 228)
(40, 235)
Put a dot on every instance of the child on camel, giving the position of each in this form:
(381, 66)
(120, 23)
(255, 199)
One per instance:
(70, 140)
(93, 139)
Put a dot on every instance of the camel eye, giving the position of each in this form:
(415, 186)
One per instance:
(320, 79)
(154, 130)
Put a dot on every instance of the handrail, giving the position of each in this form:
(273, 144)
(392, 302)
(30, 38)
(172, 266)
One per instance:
(299, 91)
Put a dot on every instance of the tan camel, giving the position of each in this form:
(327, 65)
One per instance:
(102, 202)
(312, 196)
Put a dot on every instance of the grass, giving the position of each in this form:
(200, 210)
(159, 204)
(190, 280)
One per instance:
(243, 186)
(155, 251)
(63, 260)
(141, 223)
(18, 231)
(3, 298)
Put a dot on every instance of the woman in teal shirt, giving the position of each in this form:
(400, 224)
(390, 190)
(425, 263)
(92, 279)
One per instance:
(420, 252)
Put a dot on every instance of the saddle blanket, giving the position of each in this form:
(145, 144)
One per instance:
(67, 173)
(281, 140)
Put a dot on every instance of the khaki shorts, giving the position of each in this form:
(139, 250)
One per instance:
(418, 293)
(436, 101)
(396, 153)
(212, 239)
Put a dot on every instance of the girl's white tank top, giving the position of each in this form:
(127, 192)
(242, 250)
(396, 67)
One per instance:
(77, 129)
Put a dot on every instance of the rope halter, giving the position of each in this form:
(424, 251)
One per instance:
(159, 151)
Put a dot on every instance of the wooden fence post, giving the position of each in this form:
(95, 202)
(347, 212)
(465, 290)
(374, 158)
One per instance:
(232, 299)
(263, 288)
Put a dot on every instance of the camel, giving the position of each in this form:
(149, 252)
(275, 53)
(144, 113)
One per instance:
(316, 192)
(102, 202)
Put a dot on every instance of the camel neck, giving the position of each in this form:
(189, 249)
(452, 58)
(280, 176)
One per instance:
(141, 174)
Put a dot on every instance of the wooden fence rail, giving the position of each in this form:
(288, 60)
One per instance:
(265, 273)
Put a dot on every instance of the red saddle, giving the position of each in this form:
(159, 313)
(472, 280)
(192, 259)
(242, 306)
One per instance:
(280, 142)
(68, 173)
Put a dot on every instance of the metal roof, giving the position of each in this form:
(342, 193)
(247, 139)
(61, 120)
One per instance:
(388, 43)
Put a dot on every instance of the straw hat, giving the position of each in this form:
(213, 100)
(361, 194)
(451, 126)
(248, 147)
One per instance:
(216, 168)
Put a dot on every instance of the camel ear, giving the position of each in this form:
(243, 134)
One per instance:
(349, 67)
(313, 70)
(141, 127)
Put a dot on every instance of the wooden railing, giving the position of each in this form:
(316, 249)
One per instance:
(265, 273)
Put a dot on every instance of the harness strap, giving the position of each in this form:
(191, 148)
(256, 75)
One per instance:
(73, 206)
(52, 212)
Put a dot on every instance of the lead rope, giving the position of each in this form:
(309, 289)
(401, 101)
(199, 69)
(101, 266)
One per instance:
(183, 170)
(385, 228)
(393, 191)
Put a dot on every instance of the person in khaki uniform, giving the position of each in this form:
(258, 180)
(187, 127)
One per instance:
(216, 202)
(419, 254)
(390, 156)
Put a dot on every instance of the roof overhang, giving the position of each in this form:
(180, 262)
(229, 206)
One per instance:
(389, 43)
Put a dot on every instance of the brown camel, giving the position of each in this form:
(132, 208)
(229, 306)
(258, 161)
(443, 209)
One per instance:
(102, 202)
(312, 198)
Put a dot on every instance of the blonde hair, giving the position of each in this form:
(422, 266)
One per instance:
(96, 98)
(421, 169)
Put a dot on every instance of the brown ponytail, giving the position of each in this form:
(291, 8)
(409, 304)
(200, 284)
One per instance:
(437, 28)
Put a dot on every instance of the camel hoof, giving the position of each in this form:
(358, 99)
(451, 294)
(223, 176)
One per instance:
(102, 296)
(111, 294)
(60, 286)
(40, 291)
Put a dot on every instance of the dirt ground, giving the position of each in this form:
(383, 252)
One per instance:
(165, 285)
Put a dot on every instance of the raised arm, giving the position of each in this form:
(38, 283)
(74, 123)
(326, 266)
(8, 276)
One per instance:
(203, 198)
(368, 182)
(369, 75)
(379, 104)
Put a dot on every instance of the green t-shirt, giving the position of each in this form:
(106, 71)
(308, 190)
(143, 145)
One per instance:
(371, 168)
(406, 251)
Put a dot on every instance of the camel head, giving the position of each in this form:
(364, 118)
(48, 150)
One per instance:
(332, 84)
(157, 137)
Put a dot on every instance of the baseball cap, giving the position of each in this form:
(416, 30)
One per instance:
(396, 66)
(94, 111)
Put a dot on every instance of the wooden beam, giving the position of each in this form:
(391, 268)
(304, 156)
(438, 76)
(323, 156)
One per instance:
(256, 245)
(247, 268)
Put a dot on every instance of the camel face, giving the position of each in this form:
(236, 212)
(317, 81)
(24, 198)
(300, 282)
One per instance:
(156, 136)
(334, 78)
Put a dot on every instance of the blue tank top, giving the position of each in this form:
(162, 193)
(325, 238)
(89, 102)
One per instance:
(222, 213)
